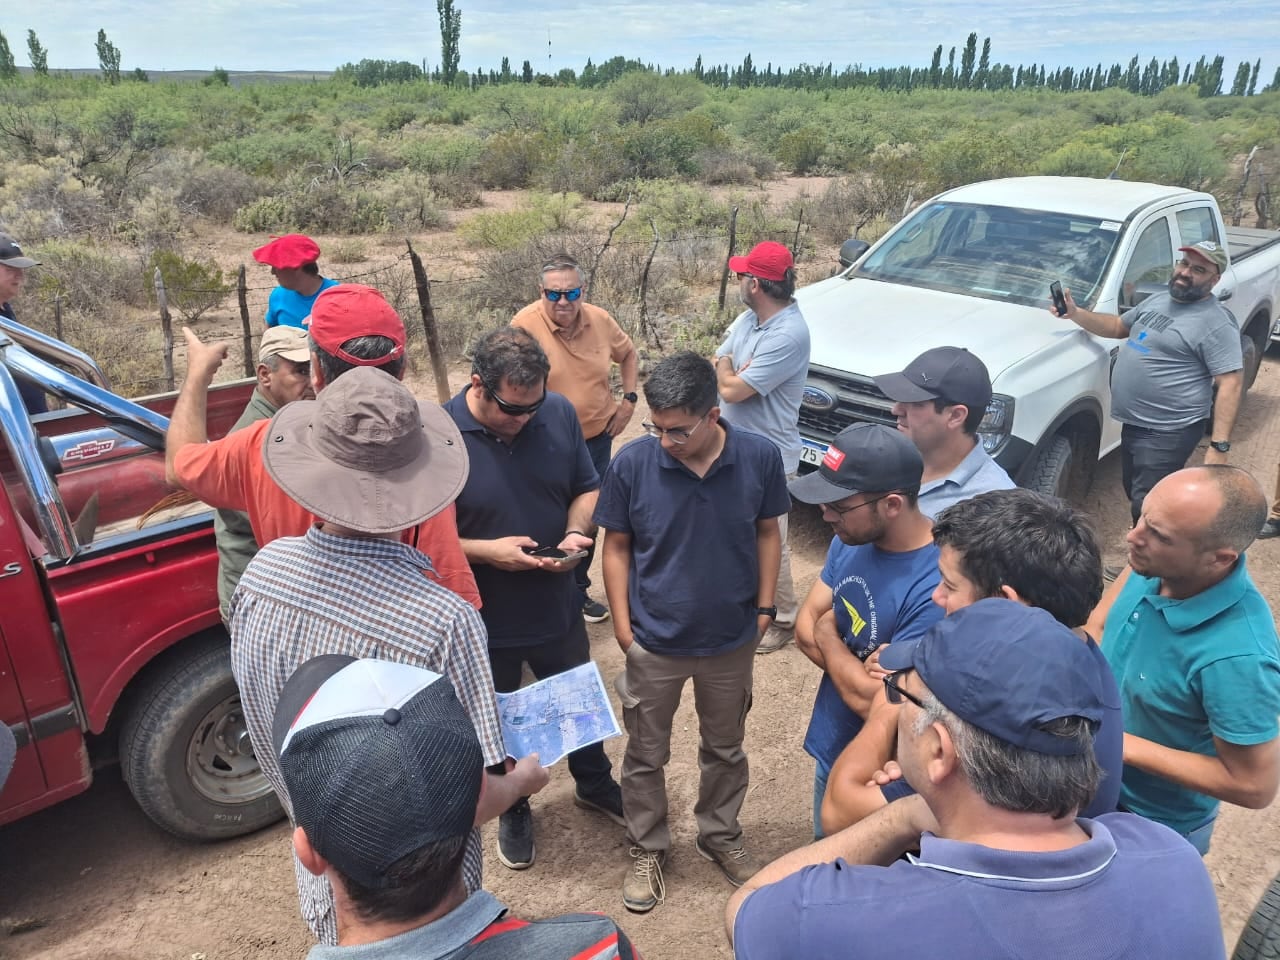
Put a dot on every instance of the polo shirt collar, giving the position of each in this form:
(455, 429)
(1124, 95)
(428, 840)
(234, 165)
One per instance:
(964, 470)
(584, 318)
(261, 404)
(987, 863)
(1182, 615)
(433, 941)
(366, 548)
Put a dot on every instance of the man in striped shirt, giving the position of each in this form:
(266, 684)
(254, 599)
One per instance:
(369, 461)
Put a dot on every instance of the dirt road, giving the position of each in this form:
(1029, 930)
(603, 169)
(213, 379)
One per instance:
(93, 879)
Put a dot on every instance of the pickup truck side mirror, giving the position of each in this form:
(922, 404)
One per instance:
(851, 250)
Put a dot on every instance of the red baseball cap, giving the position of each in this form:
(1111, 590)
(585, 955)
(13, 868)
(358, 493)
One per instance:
(288, 252)
(768, 260)
(350, 310)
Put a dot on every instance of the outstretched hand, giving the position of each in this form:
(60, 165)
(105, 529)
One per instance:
(203, 359)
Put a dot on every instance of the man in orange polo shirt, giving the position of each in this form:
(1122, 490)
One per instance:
(583, 342)
(350, 326)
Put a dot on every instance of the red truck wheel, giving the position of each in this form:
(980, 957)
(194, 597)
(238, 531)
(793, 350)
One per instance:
(1260, 939)
(185, 752)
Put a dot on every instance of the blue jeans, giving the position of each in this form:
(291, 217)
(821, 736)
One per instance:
(600, 449)
(819, 791)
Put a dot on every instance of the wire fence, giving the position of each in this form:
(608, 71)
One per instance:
(662, 290)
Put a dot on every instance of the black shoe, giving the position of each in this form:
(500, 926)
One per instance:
(515, 837)
(608, 802)
(593, 611)
(1269, 529)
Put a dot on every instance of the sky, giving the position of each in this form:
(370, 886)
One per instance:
(320, 35)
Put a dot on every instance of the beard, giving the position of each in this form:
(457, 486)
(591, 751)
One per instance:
(1188, 292)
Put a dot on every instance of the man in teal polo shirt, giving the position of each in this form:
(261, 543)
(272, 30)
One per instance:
(1193, 645)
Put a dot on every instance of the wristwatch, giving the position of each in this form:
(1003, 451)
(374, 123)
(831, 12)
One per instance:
(631, 396)
(1222, 446)
(770, 612)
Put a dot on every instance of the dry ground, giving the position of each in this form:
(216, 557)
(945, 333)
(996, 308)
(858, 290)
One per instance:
(92, 879)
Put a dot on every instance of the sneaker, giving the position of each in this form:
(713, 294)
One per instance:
(608, 802)
(775, 638)
(643, 889)
(735, 864)
(1269, 529)
(515, 837)
(593, 611)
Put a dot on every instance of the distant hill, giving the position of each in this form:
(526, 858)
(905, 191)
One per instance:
(238, 77)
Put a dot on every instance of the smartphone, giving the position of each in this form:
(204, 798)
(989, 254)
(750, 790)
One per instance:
(1059, 301)
(554, 553)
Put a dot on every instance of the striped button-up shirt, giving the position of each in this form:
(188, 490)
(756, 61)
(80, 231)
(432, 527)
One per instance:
(302, 597)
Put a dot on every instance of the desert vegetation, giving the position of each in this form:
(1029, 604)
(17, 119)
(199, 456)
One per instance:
(639, 174)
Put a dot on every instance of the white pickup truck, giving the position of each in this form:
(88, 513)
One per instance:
(972, 267)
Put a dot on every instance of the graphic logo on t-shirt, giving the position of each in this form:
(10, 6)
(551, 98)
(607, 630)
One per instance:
(857, 624)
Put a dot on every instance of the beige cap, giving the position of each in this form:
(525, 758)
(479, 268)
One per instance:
(285, 341)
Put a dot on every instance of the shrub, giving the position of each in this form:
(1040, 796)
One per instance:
(87, 276)
(347, 250)
(511, 159)
(44, 200)
(801, 150)
(509, 230)
(192, 287)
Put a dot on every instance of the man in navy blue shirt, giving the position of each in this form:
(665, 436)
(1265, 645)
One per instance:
(875, 588)
(691, 554)
(531, 486)
(999, 704)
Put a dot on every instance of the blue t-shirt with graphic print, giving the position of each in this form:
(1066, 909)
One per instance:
(879, 597)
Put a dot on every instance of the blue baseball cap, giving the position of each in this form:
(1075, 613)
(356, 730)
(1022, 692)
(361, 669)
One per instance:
(1007, 669)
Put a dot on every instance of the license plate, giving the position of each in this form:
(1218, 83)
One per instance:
(811, 452)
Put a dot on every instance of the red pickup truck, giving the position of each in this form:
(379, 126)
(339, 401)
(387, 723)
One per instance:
(111, 646)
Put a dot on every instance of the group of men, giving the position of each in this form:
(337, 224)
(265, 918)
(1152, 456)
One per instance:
(965, 707)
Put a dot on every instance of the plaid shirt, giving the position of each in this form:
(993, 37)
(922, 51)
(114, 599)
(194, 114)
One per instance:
(302, 597)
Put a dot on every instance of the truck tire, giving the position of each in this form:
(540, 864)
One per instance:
(1251, 351)
(1260, 939)
(1051, 471)
(185, 752)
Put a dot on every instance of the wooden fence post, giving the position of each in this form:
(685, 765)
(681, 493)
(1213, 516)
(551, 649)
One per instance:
(646, 327)
(57, 316)
(166, 330)
(438, 367)
(795, 246)
(724, 273)
(242, 294)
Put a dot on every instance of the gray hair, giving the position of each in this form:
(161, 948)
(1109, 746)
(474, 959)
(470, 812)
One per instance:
(561, 261)
(366, 348)
(1016, 779)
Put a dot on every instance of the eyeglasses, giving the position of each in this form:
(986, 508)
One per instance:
(1199, 269)
(555, 295)
(895, 694)
(677, 435)
(516, 409)
(865, 503)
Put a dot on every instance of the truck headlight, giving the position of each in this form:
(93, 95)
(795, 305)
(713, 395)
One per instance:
(998, 422)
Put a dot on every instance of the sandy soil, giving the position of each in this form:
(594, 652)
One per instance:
(93, 879)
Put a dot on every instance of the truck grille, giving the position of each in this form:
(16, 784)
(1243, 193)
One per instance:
(834, 400)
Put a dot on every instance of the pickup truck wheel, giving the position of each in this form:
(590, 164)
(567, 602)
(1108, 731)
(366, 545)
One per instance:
(1051, 471)
(1251, 352)
(1260, 939)
(185, 751)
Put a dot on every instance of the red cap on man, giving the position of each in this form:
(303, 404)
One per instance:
(289, 252)
(767, 260)
(351, 310)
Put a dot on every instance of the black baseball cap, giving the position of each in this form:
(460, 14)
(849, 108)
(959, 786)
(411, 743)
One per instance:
(952, 374)
(379, 759)
(863, 458)
(1008, 669)
(11, 254)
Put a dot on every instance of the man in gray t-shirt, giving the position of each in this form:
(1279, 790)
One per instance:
(1178, 346)
(760, 372)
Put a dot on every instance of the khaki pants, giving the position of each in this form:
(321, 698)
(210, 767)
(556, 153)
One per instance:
(784, 597)
(650, 689)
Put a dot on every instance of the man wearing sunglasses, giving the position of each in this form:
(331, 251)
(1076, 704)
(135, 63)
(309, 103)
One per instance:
(583, 342)
(998, 704)
(760, 372)
(875, 588)
(530, 492)
(690, 557)
(1178, 346)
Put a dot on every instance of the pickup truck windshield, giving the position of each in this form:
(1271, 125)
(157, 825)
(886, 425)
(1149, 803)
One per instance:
(997, 253)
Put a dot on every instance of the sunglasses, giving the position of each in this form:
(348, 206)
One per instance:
(895, 694)
(555, 295)
(515, 409)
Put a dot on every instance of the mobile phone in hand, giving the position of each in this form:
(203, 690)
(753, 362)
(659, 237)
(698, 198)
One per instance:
(1059, 299)
(554, 554)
